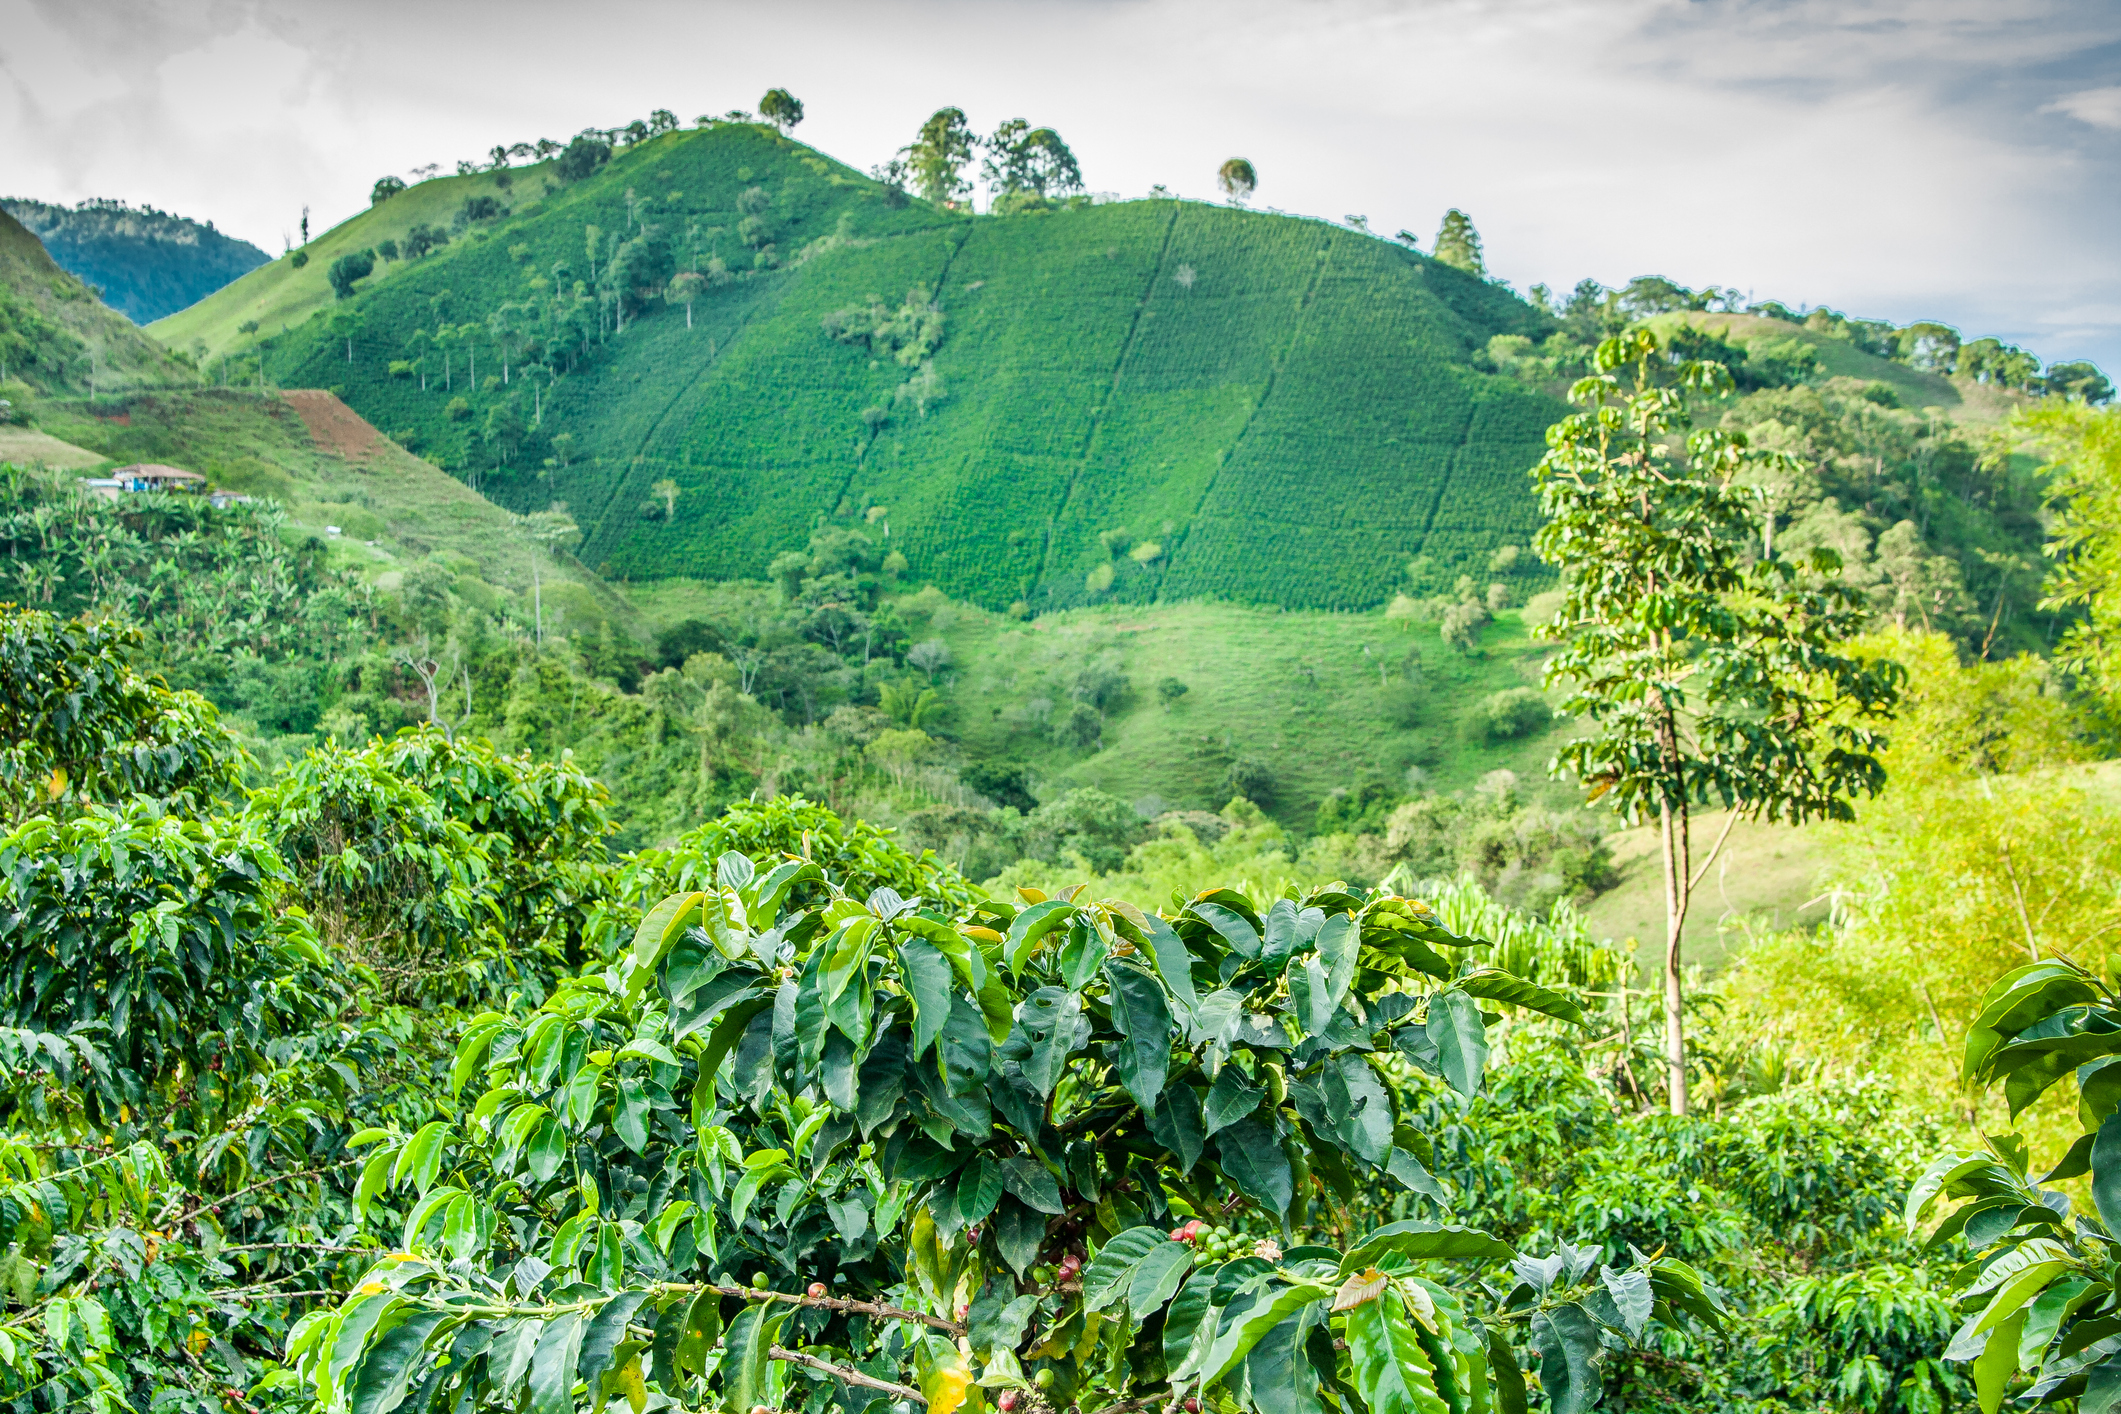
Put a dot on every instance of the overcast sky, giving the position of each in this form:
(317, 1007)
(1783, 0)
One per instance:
(1899, 159)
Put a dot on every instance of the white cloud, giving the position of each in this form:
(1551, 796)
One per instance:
(2101, 107)
(1882, 156)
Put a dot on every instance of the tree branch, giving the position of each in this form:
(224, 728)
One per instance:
(264, 1183)
(1714, 850)
(848, 1373)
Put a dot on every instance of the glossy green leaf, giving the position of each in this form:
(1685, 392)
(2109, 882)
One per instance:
(1143, 1016)
(1028, 1180)
(604, 1333)
(1279, 1374)
(1997, 1363)
(1157, 1276)
(1230, 1099)
(1461, 1039)
(1105, 1279)
(552, 1365)
(1495, 985)
(1567, 1340)
(1251, 1157)
(631, 1120)
(745, 1365)
(380, 1380)
(1031, 928)
(925, 973)
(1235, 1341)
(1175, 1123)
(702, 1332)
(1391, 1369)
(1422, 1241)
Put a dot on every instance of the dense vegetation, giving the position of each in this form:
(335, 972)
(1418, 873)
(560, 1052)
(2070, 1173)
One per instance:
(426, 1096)
(141, 262)
(433, 978)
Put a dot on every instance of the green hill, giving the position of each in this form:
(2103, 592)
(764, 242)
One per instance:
(1132, 401)
(57, 337)
(278, 295)
(145, 263)
(376, 509)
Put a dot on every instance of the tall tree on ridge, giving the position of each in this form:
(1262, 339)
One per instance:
(936, 159)
(1457, 243)
(1238, 179)
(781, 108)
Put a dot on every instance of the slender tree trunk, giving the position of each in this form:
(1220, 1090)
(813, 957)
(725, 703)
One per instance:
(537, 597)
(1673, 826)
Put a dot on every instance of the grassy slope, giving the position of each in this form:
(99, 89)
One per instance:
(124, 357)
(26, 446)
(1292, 689)
(1960, 399)
(409, 508)
(279, 297)
(1282, 405)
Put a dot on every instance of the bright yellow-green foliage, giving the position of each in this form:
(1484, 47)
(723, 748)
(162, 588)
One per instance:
(1990, 848)
(2086, 446)
(1285, 409)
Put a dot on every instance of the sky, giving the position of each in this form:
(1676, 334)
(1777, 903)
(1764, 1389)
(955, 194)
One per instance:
(1894, 159)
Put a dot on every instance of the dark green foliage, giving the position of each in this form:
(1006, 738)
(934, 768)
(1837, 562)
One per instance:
(347, 269)
(1023, 160)
(450, 869)
(1034, 1086)
(384, 189)
(146, 263)
(581, 158)
(156, 936)
(2034, 1298)
(80, 724)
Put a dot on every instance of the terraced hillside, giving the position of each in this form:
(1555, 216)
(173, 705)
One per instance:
(1132, 401)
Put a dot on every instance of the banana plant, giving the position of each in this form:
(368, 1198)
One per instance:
(792, 1148)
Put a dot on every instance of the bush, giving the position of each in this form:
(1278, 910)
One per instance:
(458, 409)
(582, 157)
(300, 259)
(1251, 778)
(1507, 715)
(1080, 727)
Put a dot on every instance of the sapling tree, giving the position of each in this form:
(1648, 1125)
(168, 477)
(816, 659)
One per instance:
(794, 1148)
(1707, 666)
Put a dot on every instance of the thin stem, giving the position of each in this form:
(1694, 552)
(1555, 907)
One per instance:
(265, 1183)
(848, 1373)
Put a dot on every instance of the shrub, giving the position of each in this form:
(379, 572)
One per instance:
(1252, 779)
(1079, 727)
(1507, 715)
(788, 1097)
